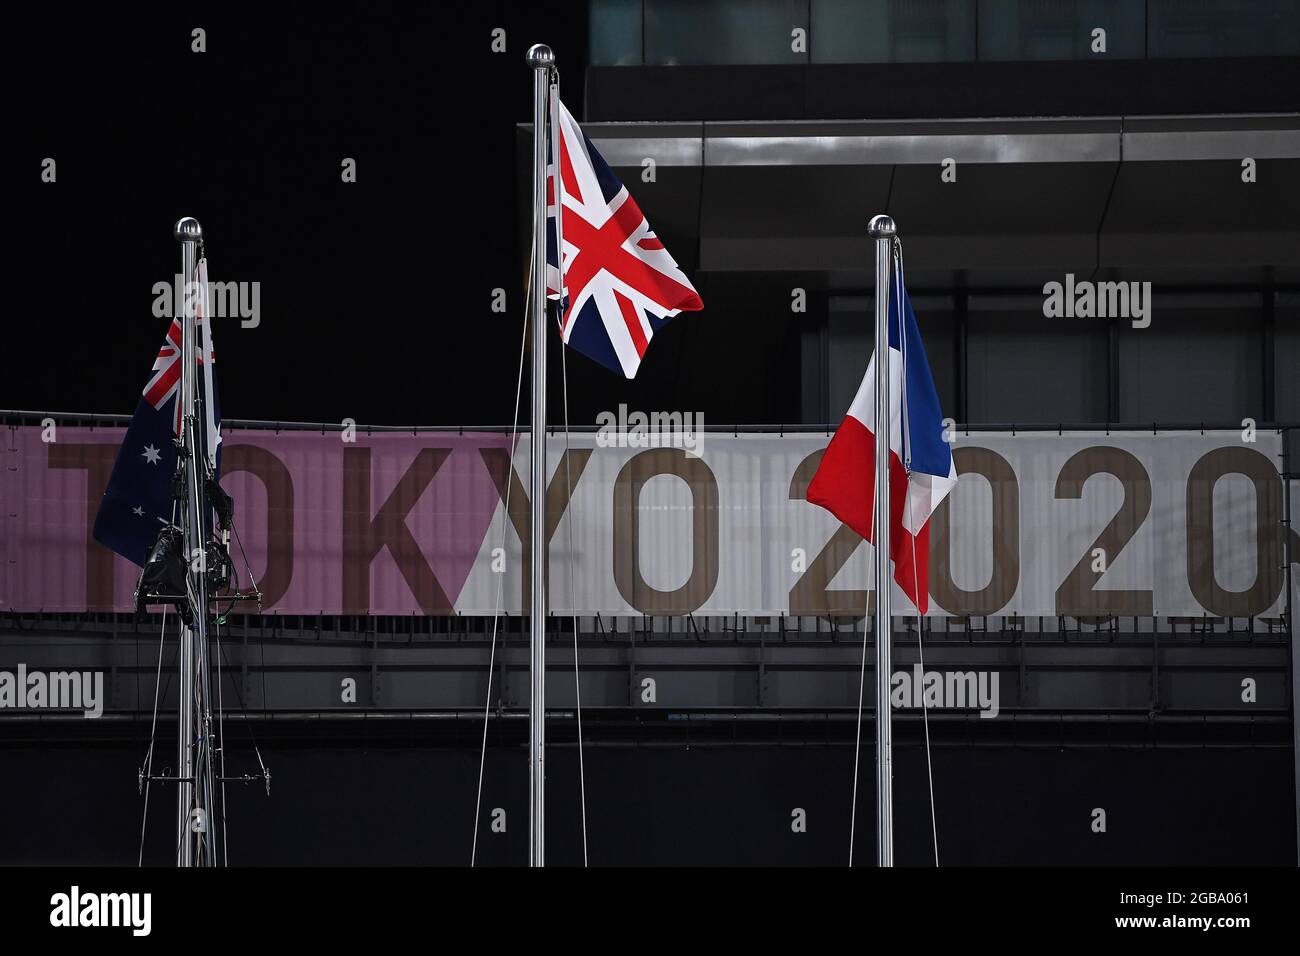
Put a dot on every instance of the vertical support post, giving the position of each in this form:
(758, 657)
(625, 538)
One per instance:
(193, 791)
(881, 230)
(961, 305)
(1112, 370)
(1268, 330)
(541, 59)
(1292, 611)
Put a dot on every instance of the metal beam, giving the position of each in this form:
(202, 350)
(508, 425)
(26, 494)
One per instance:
(927, 142)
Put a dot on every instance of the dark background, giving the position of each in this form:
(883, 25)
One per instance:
(375, 295)
(676, 805)
(375, 306)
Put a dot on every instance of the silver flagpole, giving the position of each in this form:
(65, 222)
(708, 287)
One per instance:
(187, 232)
(882, 230)
(193, 726)
(541, 59)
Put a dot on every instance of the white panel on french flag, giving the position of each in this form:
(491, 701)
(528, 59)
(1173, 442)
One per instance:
(921, 468)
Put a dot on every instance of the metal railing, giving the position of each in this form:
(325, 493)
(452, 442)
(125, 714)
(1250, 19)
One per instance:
(17, 417)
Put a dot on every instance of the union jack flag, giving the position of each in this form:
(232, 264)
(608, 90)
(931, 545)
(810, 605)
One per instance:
(617, 285)
(166, 381)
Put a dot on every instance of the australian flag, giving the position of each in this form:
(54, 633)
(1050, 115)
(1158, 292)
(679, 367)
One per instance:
(138, 502)
(615, 282)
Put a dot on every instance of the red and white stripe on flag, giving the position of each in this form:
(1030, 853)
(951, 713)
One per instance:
(845, 484)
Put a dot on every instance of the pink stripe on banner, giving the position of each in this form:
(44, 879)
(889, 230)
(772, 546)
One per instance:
(388, 524)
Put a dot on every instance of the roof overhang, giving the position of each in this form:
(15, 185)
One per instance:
(1160, 198)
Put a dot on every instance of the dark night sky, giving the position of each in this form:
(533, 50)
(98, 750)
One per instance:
(375, 295)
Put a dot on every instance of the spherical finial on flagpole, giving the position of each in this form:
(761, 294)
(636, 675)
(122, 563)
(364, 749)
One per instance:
(880, 227)
(187, 230)
(540, 56)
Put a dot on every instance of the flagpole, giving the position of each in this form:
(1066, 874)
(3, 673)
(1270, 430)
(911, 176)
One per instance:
(542, 60)
(193, 717)
(881, 230)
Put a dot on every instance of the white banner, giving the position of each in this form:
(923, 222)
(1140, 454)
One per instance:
(1041, 523)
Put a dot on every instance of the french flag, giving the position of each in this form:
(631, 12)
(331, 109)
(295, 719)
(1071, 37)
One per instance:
(921, 469)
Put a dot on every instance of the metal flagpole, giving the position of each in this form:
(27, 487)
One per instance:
(194, 768)
(881, 229)
(542, 60)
